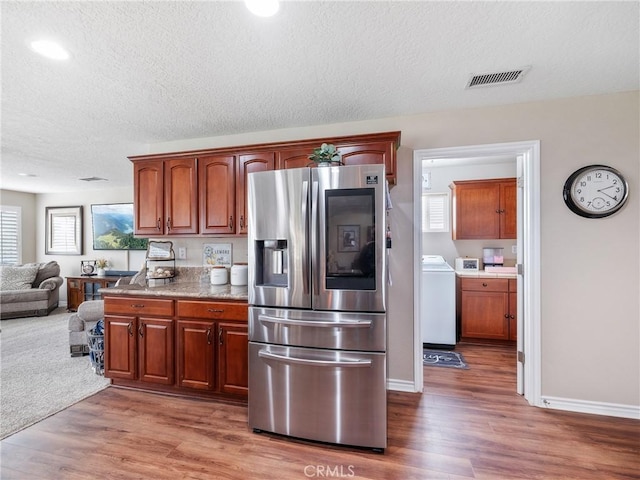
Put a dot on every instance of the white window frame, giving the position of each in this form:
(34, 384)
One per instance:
(436, 205)
(8, 239)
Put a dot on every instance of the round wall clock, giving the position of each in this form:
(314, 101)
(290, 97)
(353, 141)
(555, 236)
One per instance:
(595, 191)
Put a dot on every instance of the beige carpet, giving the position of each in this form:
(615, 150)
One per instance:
(37, 376)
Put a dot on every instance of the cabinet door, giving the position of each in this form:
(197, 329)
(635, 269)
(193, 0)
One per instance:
(375, 152)
(476, 210)
(181, 196)
(294, 158)
(233, 358)
(196, 342)
(508, 209)
(148, 197)
(216, 181)
(120, 347)
(155, 350)
(484, 315)
(249, 163)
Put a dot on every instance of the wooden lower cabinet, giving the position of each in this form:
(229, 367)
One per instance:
(487, 308)
(201, 350)
(233, 347)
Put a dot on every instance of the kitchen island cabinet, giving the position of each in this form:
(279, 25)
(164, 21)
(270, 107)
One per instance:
(182, 346)
(140, 343)
(486, 308)
(484, 209)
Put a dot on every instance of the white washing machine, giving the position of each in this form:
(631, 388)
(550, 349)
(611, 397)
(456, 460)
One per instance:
(438, 302)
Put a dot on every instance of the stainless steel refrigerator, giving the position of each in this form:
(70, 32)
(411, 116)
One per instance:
(317, 296)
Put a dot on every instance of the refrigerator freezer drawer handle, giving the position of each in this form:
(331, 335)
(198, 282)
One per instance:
(308, 323)
(315, 363)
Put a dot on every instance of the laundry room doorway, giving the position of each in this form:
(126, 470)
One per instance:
(524, 159)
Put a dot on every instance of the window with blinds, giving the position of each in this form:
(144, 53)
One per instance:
(435, 212)
(10, 229)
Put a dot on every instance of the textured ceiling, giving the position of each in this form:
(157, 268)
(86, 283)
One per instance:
(149, 72)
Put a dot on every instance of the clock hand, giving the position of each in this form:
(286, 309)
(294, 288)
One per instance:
(605, 193)
(606, 188)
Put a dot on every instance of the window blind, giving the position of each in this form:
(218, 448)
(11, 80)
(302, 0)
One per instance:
(10, 228)
(435, 212)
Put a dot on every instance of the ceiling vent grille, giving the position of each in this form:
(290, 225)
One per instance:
(497, 78)
(93, 179)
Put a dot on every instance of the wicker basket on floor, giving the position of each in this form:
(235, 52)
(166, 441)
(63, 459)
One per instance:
(96, 351)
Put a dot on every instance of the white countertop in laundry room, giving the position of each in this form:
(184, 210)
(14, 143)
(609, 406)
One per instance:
(489, 272)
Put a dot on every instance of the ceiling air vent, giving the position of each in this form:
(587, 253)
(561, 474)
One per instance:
(93, 179)
(497, 78)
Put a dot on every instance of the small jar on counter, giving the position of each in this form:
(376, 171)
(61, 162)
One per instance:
(239, 274)
(219, 275)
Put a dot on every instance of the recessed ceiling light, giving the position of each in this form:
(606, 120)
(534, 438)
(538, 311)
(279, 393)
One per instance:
(49, 49)
(263, 8)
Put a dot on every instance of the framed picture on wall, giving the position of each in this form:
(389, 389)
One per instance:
(113, 228)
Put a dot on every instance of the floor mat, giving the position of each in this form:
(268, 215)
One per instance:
(443, 358)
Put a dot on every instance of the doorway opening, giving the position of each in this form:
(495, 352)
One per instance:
(527, 166)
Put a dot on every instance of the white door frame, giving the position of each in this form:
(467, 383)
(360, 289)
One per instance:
(528, 166)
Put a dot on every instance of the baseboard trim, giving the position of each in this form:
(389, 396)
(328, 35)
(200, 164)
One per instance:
(595, 408)
(401, 385)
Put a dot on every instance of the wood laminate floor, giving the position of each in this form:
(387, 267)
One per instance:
(467, 424)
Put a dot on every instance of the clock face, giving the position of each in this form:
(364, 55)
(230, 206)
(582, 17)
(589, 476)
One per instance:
(595, 191)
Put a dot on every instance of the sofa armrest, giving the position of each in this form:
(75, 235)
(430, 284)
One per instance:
(51, 283)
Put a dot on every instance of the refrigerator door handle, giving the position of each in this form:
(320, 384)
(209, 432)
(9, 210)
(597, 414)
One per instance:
(305, 251)
(314, 235)
(315, 363)
(307, 323)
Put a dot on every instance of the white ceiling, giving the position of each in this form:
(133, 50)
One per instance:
(149, 72)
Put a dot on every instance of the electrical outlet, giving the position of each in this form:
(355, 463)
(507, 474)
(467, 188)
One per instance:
(182, 253)
(514, 249)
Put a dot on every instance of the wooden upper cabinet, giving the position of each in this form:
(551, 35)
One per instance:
(249, 163)
(181, 196)
(375, 152)
(165, 197)
(294, 158)
(484, 209)
(217, 186)
(508, 209)
(148, 195)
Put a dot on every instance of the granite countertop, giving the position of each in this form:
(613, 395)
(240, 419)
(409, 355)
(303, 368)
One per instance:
(183, 289)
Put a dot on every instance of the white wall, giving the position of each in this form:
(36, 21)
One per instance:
(590, 278)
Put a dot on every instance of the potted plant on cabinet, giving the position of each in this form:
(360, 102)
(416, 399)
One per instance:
(326, 155)
(101, 265)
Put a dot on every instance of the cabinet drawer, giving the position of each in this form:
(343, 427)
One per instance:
(138, 306)
(485, 284)
(212, 310)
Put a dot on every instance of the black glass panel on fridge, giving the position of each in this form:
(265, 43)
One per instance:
(350, 239)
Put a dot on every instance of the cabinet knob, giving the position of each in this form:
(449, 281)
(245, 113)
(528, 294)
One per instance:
(220, 337)
(158, 223)
(512, 317)
(484, 284)
(498, 211)
(506, 315)
(141, 330)
(130, 329)
(168, 224)
(213, 310)
(208, 336)
(241, 222)
(231, 222)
